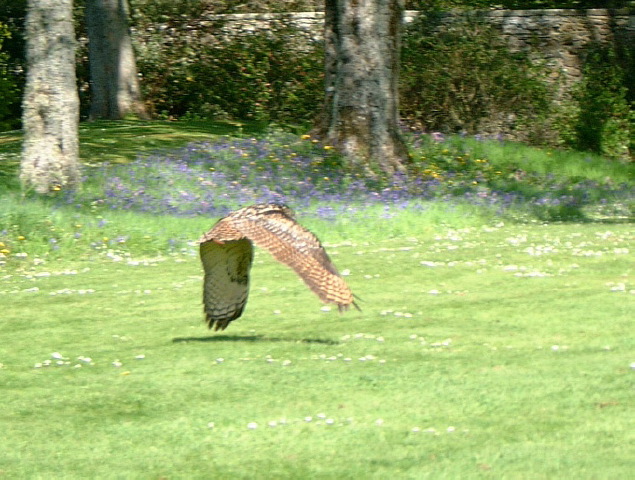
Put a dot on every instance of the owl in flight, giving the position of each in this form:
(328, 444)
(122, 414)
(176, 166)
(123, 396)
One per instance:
(227, 253)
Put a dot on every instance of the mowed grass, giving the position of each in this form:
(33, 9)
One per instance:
(485, 348)
(481, 351)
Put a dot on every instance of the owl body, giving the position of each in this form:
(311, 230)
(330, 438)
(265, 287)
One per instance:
(227, 254)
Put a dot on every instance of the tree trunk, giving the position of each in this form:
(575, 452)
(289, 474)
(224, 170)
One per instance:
(50, 113)
(360, 118)
(114, 84)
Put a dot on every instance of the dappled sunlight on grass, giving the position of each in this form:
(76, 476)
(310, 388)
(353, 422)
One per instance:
(123, 141)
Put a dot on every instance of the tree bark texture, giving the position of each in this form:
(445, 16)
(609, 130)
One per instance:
(114, 84)
(50, 113)
(360, 119)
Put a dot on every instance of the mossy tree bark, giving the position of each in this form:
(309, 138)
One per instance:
(360, 117)
(50, 113)
(114, 82)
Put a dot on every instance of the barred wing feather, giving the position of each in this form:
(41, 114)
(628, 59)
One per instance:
(226, 281)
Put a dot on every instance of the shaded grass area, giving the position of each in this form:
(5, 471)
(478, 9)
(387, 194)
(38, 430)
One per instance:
(481, 351)
(122, 141)
(118, 142)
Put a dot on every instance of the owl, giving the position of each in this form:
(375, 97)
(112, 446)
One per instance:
(227, 253)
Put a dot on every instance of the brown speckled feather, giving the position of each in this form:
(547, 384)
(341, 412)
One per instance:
(226, 253)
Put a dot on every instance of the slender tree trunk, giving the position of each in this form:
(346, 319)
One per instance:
(360, 118)
(115, 89)
(51, 105)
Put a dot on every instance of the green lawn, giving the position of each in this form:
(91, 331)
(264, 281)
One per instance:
(486, 347)
(496, 351)
(122, 141)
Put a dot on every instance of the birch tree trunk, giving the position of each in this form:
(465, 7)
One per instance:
(114, 84)
(360, 118)
(50, 113)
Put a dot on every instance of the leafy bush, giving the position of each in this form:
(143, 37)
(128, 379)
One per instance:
(465, 79)
(605, 122)
(261, 76)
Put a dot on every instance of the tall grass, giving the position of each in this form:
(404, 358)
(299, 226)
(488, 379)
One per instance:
(561, 163)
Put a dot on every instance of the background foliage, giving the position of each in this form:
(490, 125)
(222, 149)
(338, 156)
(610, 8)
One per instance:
(473, 83)
(516, 4)
(465, 79)
(262, 76)
(605, 120)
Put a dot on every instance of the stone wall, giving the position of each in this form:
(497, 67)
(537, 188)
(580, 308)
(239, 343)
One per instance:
(561, 35)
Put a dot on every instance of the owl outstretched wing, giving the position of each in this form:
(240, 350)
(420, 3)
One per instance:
(226, 253)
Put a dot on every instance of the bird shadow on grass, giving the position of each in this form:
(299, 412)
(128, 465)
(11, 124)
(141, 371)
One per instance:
(253, 338)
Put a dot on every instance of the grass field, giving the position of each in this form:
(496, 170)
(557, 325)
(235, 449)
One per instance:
(485, 348)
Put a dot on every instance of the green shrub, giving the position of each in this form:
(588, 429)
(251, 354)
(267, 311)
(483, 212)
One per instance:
(465, 79)
(261, 76)
(605, 121)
